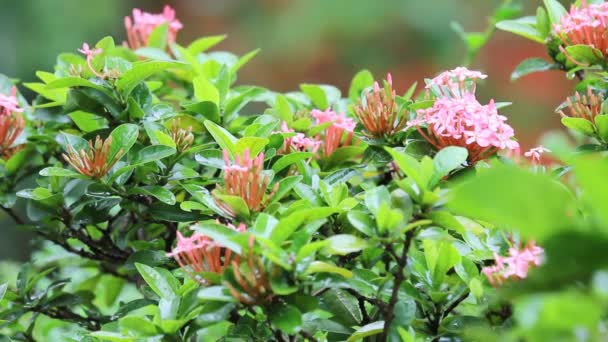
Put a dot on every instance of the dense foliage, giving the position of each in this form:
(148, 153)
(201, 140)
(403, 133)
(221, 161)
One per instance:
(172, 204)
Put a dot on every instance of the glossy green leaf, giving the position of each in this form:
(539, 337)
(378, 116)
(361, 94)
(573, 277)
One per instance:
(532, 65)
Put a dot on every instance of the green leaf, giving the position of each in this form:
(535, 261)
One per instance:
(158, 36)
(286, 318)
(75, 141)
(532, 65)
(138, 325)
(370, 329)
(585, 54)
(523, 27)
(288, 225)
(222, 137)
(160, 280)
(323, 267)
(285, 186)
(88, 122)
(590, 176)
(283, 109)
(440, 256)
(447, 160)
(362, 80)
(123, 138)
(173, 213)
(142, 70)
(59, 172)
(205, 43)
(236, 103)
(72, 82)
(534, 204)
(220, 234)
(343, 154)
(156, 191)
(152, 153)
(255, 145)
(215, 293)
(580, 125)
(555, 10)
(543, 23)
(316, 95)
(601, 122)
(408, 165)
(343, 244)
(236, 203)
(374, 198)
(204, 90)
(243, 60)
(3, 288)
(290, 159)
(111, 336)
(343, 306)
(361, 221)
(207, 109)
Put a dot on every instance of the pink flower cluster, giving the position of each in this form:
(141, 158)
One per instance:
(198, 253)
(458, 119)
(586, 25)
(536, 153)
(456, 82)
(244, 178)
(516, 265)
(143, 23)
(339, 133)
(9, 104)
(89, 54)
(299, 142)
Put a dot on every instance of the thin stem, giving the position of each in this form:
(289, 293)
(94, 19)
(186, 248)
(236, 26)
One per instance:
(389, 313)
(13, 215)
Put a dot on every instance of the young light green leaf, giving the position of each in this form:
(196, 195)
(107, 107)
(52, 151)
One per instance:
(223, 138)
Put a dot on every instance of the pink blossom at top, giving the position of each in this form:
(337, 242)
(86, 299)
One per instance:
(299, 142)
(199, 253)
(456, 82)
(90, 53)
(586, 25)
(463, 121)
(9, 104)
(341, 125)
(536, 153)
(516, 265)
(143, 23)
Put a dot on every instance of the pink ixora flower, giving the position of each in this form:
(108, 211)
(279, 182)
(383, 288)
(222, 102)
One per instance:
(143, 23)
(456, 83)
(514, 266)
(11, 124)
(199, 253)
(463, 121)
(586, 25)
(9, 103)
(244, 178)
(90, 53)
(585, 106)
(379, 114)
(536, 153)
(338, 133)
(298, 142)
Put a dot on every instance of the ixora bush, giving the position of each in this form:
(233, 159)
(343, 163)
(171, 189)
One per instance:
(174, 205)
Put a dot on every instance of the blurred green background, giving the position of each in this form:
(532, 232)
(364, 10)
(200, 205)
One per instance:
(315, 41)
